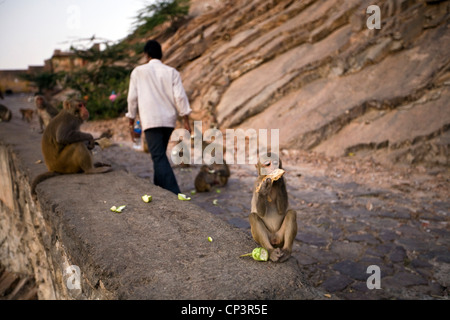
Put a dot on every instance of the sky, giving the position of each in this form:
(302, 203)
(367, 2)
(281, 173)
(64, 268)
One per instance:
(32, 29)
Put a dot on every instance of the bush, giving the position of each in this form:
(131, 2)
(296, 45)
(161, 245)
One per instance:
(106, 71)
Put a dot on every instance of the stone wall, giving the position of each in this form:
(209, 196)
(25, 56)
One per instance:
(157, 250)
(24, 232)
(11, 80)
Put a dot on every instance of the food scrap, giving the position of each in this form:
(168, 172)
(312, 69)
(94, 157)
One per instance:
(183, 197)
(259, 254)
(147, 198)
(274, 176)
(117, 209)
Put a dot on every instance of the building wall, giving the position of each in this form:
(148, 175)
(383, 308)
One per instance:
(10, 80)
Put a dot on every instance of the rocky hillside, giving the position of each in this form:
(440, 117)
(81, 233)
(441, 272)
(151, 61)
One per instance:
(315, 71)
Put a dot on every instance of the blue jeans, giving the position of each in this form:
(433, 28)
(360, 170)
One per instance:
(157, 141)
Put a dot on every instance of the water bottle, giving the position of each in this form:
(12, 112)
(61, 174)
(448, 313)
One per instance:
(137, 136)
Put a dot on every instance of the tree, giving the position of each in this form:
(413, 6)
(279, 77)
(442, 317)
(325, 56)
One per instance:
(157, 13)
(43, 80)
(105, 71)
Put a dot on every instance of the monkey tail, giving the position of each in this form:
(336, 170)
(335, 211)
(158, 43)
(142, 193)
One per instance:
(41, 178)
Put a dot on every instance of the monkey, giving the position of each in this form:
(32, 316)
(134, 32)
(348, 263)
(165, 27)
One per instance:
(107, 134)
(273, 225)
(205, 179)
(27, 114)
(104, 141)
(65, 148)
(221, 172)
(45, 111)
(5, 113)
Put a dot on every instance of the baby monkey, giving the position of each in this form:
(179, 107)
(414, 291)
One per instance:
(215, 174)
(221, 172)
(273, 225)
(205, 179)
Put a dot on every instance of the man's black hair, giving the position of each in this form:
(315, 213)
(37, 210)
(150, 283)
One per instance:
(153, 49)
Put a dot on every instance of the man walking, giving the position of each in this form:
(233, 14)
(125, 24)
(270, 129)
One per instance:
(157, 93)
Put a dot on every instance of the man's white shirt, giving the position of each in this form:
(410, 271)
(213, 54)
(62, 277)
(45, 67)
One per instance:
(156, 92)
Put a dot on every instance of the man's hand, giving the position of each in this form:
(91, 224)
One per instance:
(187, 125)
(91, 144)
(131, 129)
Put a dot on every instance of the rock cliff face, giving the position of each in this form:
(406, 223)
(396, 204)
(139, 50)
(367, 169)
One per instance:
(314, 70)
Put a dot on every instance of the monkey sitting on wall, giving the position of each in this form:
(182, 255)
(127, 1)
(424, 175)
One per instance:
(273, 226)
(5, 113)
(65, 148)
(45, 111)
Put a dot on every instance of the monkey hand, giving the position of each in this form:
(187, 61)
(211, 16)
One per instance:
(279, 255)
(266, 186)
(91, 144)
(187, 126)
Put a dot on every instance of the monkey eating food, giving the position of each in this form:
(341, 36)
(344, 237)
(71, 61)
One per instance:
(208, 176)
(65, 148)
(221, 172)
(273, 225)
(205, 179)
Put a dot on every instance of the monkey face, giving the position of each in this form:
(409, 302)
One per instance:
(83, 111)
(77, 108)
(39, 102)
(268, 166)
(268, 163)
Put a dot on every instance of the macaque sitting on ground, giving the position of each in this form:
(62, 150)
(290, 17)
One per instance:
(205, 179)
(45, 111)
(5, 113)
(65, 148)
(273, 225)
(214, 174)
(221, 172)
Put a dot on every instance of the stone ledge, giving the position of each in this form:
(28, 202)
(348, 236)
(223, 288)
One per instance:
(157, 250)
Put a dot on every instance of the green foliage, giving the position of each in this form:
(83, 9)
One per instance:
(106, 71)
(157, 13)
(97, 85)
